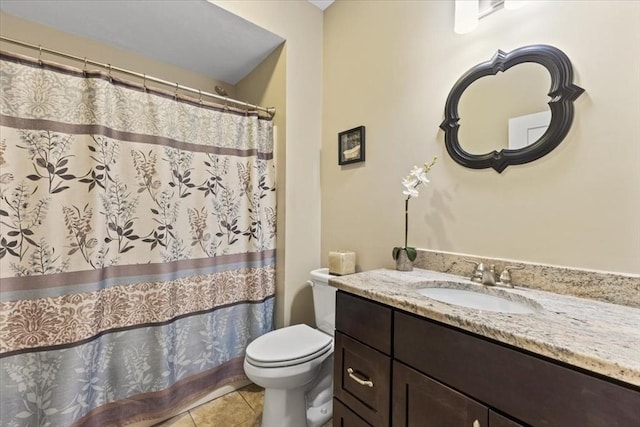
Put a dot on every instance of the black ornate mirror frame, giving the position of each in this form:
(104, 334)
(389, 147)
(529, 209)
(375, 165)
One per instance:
(562, 93)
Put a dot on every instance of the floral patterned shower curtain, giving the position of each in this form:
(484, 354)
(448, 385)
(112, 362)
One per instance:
(137, 246)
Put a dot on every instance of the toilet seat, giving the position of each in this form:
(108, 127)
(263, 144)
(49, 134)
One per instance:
(288, 346)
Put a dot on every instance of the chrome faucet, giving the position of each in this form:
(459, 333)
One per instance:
(505, 276)
(487, 276)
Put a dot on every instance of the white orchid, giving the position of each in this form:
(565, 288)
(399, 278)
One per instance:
(410, 185)
(411, 192)
(417, 176)
(420, 174)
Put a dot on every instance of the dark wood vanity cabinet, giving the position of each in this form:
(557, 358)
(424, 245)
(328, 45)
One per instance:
(432, 375)
(344, 417)
(497, 420)
(421, 401)
(362, 362)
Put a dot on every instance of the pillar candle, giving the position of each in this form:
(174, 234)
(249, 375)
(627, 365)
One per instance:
(342, 262)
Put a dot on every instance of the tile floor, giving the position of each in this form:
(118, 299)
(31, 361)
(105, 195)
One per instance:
(242, 408)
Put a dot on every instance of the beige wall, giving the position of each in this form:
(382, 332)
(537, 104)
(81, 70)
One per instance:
(31, 32)
(300, 23)
(389, 65)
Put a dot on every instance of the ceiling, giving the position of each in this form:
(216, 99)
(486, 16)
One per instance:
(322, 4)
(192, 34)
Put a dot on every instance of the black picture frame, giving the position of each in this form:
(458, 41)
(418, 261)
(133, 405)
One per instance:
(351, 146)
(562, 93)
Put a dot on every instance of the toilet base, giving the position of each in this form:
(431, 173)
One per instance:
(284, 408)
(310, 405)
(319, 397)
(318, 416)
(289, 411)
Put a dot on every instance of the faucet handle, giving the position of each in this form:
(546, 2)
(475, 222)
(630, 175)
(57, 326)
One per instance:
(505, 277)
(470, 261)
(477, 272)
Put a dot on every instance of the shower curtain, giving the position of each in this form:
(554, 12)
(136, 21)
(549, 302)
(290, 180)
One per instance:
(137, 246)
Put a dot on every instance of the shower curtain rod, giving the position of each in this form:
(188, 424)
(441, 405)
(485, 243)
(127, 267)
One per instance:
(271, 111)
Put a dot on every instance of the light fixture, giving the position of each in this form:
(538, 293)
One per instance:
(469, 12)
(514, 4)
(466, 16)
(487, 7)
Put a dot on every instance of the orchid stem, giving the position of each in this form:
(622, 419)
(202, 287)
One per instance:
(406, 220)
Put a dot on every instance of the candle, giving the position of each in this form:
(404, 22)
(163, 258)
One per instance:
(342, 262)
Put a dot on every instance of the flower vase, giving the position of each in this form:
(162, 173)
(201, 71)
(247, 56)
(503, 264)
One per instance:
(403, 263)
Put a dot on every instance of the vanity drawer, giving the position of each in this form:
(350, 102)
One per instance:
(532, 389)
(364, 320)
(344, 417)
(362, 379)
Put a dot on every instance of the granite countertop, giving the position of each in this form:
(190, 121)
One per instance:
(597, 336)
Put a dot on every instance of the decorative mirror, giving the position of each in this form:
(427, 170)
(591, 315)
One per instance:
(510, 118)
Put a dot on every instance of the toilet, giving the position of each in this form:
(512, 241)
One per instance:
(295, 364)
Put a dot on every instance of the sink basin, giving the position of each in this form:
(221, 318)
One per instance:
(477, 300)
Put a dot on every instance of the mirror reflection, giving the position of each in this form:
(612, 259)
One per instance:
(508, 110)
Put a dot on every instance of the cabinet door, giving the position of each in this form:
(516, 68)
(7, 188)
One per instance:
(497, 420)
(419, 401)
(343, 417)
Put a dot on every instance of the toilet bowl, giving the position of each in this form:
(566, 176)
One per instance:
(295, 365)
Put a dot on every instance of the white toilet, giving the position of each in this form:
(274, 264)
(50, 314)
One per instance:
(295, 365)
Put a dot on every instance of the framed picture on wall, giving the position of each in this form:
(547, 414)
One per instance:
(351, 146)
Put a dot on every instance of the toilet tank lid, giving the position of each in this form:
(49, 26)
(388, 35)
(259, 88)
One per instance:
(321, 275)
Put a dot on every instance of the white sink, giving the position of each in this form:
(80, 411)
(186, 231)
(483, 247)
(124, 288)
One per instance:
(477, 300)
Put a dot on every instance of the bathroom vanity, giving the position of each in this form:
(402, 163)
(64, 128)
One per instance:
(403, 359)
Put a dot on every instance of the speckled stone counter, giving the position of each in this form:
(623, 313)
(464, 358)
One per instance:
(616, 288)
(597, 336)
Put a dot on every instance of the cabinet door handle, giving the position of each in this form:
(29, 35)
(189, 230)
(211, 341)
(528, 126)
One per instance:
(354, 376)
(476, 423)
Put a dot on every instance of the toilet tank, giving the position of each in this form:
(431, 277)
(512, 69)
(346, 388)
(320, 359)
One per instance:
(324, 300)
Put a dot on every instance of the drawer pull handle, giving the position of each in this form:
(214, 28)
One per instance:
(476, 423)
(356, 378)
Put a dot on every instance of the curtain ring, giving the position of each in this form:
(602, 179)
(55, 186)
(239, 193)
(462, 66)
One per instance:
(40, 54)
(109, 73)
(226, 100)
(84, 69)
(144, 81)
(175, 95)
(200, 96)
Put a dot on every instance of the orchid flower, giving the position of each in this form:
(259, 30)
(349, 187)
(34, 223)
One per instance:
(417, 176)
(420, 174)
(410, 185)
